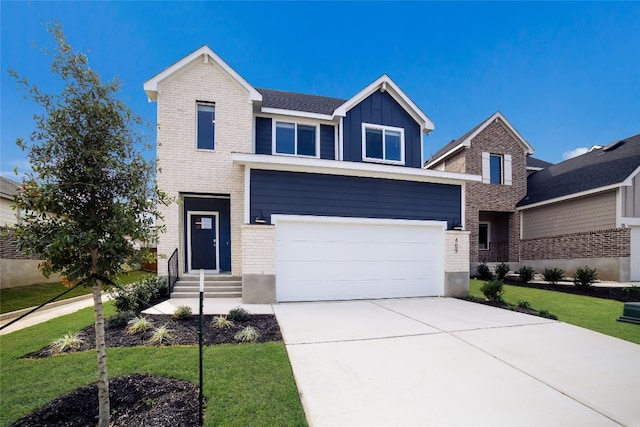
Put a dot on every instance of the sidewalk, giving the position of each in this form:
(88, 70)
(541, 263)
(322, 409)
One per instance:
(53, 310)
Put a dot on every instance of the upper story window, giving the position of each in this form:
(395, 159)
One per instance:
(296, 139)
(206, 126)
(383, 144)
(496, 169)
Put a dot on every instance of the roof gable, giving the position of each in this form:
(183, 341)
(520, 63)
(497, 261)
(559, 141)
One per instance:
(384, 83)
(465, 140)
(151, 86)
(599, 169)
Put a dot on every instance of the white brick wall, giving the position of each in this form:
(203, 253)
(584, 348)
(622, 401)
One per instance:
(258, 249)
(456, 258)
(185, 169)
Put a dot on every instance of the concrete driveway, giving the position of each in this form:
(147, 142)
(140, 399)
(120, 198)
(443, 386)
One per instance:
(447, 362)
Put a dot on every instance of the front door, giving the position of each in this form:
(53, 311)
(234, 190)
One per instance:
(203, 241)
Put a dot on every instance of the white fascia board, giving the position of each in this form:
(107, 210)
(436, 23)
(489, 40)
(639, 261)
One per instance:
(336, 167)
(151, 86)
(445, 155)
(303, 114)
(498, 115)
(531, 168)
(571, 196)
(384, 81)
(276, 218)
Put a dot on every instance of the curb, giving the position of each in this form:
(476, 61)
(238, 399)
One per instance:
(13, 314)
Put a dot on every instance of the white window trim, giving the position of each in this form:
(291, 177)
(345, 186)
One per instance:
(383, 128)
(205, 150)
(273, 138)
(488, 224)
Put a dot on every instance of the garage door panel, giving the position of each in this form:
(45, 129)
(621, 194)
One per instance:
(364, 270)
(333, 259)
(338, 251)
(336, 232)
(352, 289)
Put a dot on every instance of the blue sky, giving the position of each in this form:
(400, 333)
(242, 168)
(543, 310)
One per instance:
(566, 75)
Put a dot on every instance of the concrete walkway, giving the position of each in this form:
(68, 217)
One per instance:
(447, 362)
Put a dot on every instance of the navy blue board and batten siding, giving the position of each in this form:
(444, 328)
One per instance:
(297, 193)
(264, 138)
(380, 108)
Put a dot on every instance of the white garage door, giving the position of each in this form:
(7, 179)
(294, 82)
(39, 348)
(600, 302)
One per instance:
(329, 258)
(635, 254)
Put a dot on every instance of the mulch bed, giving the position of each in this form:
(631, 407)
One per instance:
(136, 400)
(185, 333)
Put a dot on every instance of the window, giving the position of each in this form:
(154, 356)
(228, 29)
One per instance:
(483, 236)
(296, 139)
(206, 126)
(382, 143)
(495, 169)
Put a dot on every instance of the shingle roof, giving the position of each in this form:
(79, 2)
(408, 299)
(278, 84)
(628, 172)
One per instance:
(532, 162)
(299, 101)
(8, 187)
(455, 142)
(598, 168)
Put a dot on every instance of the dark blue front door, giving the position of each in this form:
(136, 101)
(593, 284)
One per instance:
(204, 239)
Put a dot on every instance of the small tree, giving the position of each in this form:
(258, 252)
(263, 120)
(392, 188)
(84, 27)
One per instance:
(90, 199)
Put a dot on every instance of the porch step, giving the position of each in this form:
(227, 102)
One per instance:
(219, 286)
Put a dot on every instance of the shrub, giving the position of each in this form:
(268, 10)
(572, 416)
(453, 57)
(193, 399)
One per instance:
(139, 324)
(238, 314)
(69, 342)
(524, 304)
(182, 313)
(526, 274)
(161, 335)
(633, 289)
(493, 290)
(221, 322)
(553, 275)
(120, 319)
(484, 271)
(247, 334)
(137, 295)
(501, 270)
(584, 277)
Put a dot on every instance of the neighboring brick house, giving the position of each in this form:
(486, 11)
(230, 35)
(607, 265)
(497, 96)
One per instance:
(583, 211)
(16, 268)
(586, 211)
(495, 150)
(303, 197)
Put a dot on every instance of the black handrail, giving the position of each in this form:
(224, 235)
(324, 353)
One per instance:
(173, 270)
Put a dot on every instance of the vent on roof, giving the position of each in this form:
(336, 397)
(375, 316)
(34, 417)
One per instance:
(614, 145)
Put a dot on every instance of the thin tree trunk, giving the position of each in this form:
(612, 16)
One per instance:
(103, 380)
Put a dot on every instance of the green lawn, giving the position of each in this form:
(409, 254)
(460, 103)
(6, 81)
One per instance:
(245, 384)
(596, 314)
(12, 299)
